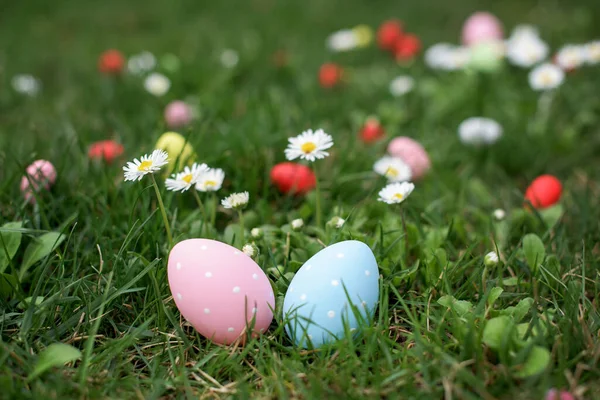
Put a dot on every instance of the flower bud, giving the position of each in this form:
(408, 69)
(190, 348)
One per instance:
(256, 233)
(251, 250)
(297, 224)
(491, 259)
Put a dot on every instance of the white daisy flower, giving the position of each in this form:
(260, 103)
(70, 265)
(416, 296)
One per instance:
(570, 56)
(393, 168)
(147, 164)
(256, 233)
(401, 85)
(25, 84)
(250, 249)
(524, 31)
(499, 214)
(236, 200)
(340, 222)
(526, 50)
(343, 40)
(546, 77)
(297, 224)
(141, 63)
(447, 57)
(479, 131)
(157, 84)
(309, 145)
(592, 52)
(396, 193)
(210, 180)
(229, 58)
(182, 181)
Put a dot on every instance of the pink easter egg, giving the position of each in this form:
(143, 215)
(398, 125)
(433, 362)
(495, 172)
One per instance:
(178, 114)
(219, 290)
(481, 27)
(41, 174)
(412, 153)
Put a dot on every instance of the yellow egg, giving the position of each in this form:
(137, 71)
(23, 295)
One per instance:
(178, 149)
(364, 35)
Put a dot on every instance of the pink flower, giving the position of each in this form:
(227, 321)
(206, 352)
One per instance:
(554, 394)
(178, 114)
(481, 27)
(40, 174)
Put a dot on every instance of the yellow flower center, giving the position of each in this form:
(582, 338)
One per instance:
(145, 165)
(308, 147)
(187, 178)
(391, 172)
(546, 78)
(210, 183)
(398, 196)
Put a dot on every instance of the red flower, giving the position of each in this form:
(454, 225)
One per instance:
(107, 150)
(330, 75)
(293, 178)
(388, 34)
(371, 131)
(544, 191)
(111, 62)
(407, 47)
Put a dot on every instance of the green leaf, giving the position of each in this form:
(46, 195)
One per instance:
(8, 284)
(551, 215)
(9, 243)
(40, 248)
(519, 311)
(55, 355)
(534, 250)
(537, 361)
(495, 331)
(510, 281)
(460, 307)
(494, 295)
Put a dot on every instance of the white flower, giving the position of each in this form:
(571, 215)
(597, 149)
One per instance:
(343, 40)
(250, 250)
(340, 222)
(401, 85)
(157, 84)
(479, 130)
(309, 145)
(186, 179)
(229, 58)
(499, 214)
(526, 49)
(447, 57)
(393, 168)
(490, 259)
(524, 31)
(570, 56)
(546, 77)
(141, 63)
(592, 52)
(147, 164)
(297, 224)
(396, 193)
(25, 84)
(210, 180)
(236, 200)
(256, 233)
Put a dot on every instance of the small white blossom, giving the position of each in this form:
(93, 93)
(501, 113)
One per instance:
(499, 214)
(479, 131)
(210, 180)
(447, 57)
(229, 58)
(250, 249)
(297, 224)
(525, 49)
(592, 52)
(147, 164)
(401, 85)
(393, 168)
(340, 222)
(570, 57)
(26, 84)
(157, 84)
(396, 193)
(491, 259)
(186, 179)
(141, 63)
(236, 200)
(309, 145)
(546, 77)
(256, 233)
(343, 40)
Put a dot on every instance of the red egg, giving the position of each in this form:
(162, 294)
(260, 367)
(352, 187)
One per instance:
(407, 47)
(330, 75)
(293, 178)
(388, 34)
(107, 150)
(111, 62)
(544, 191)
(372, 131)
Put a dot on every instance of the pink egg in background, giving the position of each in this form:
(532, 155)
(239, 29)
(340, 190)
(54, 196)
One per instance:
(178, 114)
(412, 153)
(481, 27)
(42, 174)
(219, 290)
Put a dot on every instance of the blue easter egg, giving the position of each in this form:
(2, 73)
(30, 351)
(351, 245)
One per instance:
(339, 285)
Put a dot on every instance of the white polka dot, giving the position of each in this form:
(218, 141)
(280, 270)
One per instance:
(236, 289)
(178, 265)
(203, 247)
(367, 273)
(331, 314)
(208, 274)
(254, 276)
(335, 282)
(254, 310)
(179, 296)
(308, 267)
(303, 297)
(235, 253)
(230, 329)
(207, 311)
(340, 255)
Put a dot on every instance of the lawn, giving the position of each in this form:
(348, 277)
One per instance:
(86, 265)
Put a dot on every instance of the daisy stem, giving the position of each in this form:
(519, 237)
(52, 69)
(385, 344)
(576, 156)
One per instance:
(405, 236)
(241, 214)
(202, 209)
(163, 211)
(318, 197)
(213, 217)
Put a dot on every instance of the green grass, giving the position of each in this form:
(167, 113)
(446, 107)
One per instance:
(104, 288)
